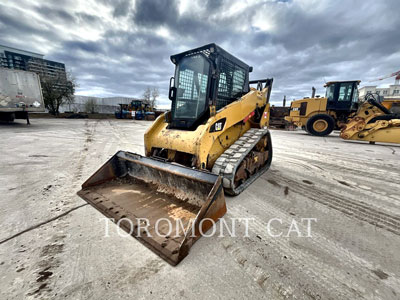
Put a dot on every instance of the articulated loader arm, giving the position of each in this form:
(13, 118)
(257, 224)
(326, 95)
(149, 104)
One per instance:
(374, 123)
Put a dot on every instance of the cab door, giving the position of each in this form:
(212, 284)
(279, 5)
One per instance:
(344, 98)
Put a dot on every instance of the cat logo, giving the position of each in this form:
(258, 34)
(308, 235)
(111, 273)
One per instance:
(218, 126)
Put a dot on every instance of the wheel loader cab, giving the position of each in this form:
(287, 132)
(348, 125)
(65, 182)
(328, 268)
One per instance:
(342, 95)
(205, 76)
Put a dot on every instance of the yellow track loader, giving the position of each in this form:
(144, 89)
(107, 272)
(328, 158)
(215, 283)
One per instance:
(214, 139)
(374, 122)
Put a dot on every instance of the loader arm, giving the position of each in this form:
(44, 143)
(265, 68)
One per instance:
(374, 123)
(205, 144)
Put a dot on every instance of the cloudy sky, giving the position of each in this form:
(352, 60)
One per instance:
(119, 47)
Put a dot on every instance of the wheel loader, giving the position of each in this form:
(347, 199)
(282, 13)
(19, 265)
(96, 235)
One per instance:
(321, 115)
(374, 122)
(214, 139)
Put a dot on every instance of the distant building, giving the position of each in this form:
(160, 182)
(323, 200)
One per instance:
(103, 105)
(14, 58)
(393, 91)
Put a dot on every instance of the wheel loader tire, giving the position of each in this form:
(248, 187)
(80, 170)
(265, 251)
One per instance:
(320, 125)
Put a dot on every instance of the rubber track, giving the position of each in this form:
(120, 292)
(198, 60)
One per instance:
(227, 164)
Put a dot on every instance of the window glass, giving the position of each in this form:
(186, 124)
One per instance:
(238, 81)
(191, 83)
(345, 91)
(355, 95)
(330, 91)
(231, 83)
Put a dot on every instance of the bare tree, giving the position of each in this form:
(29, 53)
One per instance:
(147, 95)
(91, 105)
(154, 95)
(56, 91)
(70, 101)
(58, 87)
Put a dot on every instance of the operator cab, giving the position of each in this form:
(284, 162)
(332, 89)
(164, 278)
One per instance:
(342, 95)
(205, 76)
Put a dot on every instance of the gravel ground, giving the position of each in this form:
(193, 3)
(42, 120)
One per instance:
(52, 245)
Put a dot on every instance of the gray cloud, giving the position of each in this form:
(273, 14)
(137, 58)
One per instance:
(122, 8)
(120, 47)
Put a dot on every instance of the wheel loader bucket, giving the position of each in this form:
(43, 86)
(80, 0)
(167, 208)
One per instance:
(165, 206)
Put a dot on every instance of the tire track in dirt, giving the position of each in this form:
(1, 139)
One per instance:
(279, 209)
(369, 168)
(371, 189)
(303, 266)
(358, 210)
(314, 255)
(80, 286)
(120, 134)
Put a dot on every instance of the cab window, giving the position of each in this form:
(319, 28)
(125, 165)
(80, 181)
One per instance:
(355, 95)
(345, 91)
(330, 92)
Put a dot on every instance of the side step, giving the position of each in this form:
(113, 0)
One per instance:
(163, 205)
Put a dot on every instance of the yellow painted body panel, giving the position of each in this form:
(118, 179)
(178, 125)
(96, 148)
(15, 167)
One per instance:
(318, 106)
(314, 106)
(208, 146)
(388, 103)
(358, 128)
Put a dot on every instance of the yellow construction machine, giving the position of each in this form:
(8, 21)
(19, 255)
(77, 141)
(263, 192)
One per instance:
(321, 115)
(392, 104)
(214, 138)
(374, 122)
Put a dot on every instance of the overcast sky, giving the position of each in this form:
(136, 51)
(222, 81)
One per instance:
(119, 47)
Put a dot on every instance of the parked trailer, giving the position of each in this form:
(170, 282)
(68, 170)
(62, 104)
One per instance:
(20, 93)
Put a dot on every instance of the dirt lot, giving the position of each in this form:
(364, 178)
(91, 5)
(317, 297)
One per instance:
(52, 245)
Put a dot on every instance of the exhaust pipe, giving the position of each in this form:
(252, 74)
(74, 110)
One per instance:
(313, 92)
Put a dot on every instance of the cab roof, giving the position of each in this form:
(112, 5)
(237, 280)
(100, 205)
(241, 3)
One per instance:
(332, 82)
(207, 50)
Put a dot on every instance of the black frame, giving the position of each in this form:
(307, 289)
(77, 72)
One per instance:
(214, 54)
(188, 123)
(346, 105)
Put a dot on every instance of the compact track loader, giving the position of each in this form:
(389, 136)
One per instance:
(214, 139)
(373, 122)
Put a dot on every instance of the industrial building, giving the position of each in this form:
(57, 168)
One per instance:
(106, 105)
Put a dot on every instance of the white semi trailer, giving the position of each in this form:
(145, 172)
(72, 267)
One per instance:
(20, 93)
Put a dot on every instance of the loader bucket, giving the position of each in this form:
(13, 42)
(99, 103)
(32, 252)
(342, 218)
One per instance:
(165, 206)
